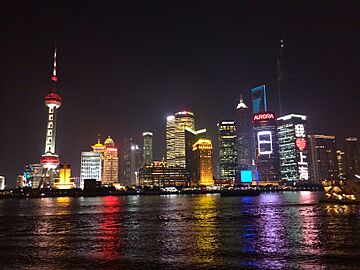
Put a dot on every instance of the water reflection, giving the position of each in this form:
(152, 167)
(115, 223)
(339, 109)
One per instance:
(272, 231)
(205, 229)
(107, 230)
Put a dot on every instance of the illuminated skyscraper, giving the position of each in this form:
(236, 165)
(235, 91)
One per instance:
(342, 164)
(183, 120)
(50, 160)
(191, 137)
(287, 98)
(245, 141)
(111, 163)
(227, 150)
(147, 148)
(203, 162)
(266, 147)
(91, 166)
(258, 97)
(323, 158)
(352, 156)
(293, 148)
(92, 163)
(131, 161)
(170, 140)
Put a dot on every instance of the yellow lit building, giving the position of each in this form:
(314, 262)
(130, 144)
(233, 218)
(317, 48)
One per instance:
(110, 163)
(203, 162)
(98, 147)
(64, 181)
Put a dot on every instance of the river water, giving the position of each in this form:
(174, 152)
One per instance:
(287, 230)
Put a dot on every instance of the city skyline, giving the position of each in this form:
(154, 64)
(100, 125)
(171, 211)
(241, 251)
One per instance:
(96, 110)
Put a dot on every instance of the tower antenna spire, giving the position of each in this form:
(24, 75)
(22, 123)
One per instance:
(54, 76)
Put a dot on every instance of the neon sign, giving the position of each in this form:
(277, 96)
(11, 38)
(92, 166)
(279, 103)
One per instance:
(264, 139)
(264, 116)
(301, 144)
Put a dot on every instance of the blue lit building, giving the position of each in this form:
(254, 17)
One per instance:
(258, 98)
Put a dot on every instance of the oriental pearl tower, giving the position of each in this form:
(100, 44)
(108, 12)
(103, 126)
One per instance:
(50, 160)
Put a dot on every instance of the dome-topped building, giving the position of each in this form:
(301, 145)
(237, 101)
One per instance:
(109, 142)
(110, 162)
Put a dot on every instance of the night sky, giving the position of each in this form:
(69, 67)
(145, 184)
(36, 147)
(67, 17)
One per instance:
(123, 66)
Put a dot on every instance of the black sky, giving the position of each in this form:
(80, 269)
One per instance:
(124, 66)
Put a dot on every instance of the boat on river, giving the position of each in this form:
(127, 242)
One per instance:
(343, 191)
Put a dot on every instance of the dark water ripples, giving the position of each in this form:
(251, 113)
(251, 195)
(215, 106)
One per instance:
(272, 231)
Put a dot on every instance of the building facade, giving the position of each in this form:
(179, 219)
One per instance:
(91, 166)
(324, 164)
(266, 148)
(2, 182)
(258, 97)
(203, 163)
(191, 137)
(227, 150)
(342, 164)
(159, 174)
(293, 148)
(170, 140)
(183, 120)
(131, 161)
(352, 156)
(64, 181)
(110, 173)
(245, 141)
(147, 148)
(33, 175)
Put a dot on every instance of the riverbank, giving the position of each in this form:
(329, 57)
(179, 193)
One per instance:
(111, 191)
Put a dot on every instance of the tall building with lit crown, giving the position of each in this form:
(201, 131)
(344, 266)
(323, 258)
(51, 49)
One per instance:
(147, 148)
(266, 147)
(170, 140)
(50, 160)
(227, 150)
(352, 156)
(342, 164)
(293, 148)
(191, 137)
(323, 158)
(98, 147)
(183, 120)
(64, 181)
(110, 163)
(245, 142)
(203, 159)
